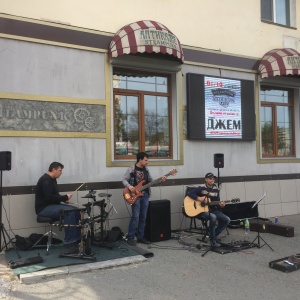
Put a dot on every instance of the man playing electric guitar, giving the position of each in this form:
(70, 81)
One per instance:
(210, 192)
(132, 177)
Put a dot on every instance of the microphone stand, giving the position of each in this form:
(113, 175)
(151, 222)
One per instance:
(209, 248)
(3, 231)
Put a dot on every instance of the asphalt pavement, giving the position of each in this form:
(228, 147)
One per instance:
(178, 271)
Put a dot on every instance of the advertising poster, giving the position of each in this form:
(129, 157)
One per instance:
(222, 108)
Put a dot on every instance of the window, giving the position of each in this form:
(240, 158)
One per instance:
(277, 122)
(142, 118)
(276, 11)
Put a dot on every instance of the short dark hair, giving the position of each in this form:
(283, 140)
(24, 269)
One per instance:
(55, 165)
(141, 155)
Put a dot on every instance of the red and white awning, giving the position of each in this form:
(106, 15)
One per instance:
(278, 62)
(145, 37)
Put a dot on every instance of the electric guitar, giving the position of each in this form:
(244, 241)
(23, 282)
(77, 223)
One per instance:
(193, 207)
(131, 197)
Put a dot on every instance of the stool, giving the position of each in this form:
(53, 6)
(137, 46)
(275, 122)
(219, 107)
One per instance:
(50, 233)
(205, 228)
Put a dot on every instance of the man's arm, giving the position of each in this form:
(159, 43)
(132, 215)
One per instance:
(196, 194)
(127, 177)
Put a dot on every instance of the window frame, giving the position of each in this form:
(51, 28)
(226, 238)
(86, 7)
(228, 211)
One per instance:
(273, 8)
(141, 94)
(274, 106)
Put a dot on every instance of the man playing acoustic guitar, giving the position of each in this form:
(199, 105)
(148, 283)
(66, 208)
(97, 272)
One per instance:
(210, 192)
(134, 175)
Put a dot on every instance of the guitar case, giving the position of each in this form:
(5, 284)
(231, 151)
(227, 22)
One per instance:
(269, 227)
(286, 264)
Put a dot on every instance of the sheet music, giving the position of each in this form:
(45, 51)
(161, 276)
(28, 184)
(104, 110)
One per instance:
(262, 197)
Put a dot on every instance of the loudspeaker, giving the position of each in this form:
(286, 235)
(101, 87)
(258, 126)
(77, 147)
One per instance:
(5, 160)
(158, 223)
(219, 160)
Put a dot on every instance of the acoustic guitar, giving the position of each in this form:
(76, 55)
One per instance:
(131, 197)
(194, 207)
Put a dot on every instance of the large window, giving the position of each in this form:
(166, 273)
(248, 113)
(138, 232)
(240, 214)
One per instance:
(277, 122)
(142, 106)
(276, 11)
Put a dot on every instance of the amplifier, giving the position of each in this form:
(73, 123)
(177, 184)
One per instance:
(269, 227)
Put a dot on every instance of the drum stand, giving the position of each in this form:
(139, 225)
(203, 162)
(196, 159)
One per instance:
(90, 208)
(85, 251)
(101, 219)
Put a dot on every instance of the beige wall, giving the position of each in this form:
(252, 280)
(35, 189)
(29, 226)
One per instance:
(231, 26)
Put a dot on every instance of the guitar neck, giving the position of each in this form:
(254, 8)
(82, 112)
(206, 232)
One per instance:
(218, 202)
(144, 187)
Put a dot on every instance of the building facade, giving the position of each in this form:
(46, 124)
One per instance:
(91, 84)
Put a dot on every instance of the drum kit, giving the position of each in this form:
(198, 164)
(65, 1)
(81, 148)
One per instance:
(88, 220)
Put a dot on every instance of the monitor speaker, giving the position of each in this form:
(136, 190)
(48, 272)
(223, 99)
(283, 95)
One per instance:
(219, 160)
(158, 223)
(5, 160)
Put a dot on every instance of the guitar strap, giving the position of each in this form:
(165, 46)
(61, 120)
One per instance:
(132, 180)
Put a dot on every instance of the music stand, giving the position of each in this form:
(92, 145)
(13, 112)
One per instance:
(258, 237)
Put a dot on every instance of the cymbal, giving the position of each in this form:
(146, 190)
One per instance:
(90, 194)
(104, 195)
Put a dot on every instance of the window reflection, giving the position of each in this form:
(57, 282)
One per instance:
(142, 114)
(277, 128)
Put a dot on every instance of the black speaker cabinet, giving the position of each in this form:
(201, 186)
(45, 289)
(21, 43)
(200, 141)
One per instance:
(219, 160)
(158, 223)
(5, 160)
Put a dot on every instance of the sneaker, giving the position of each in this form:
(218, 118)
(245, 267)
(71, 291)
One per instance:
(143, 241)
(131, 242)
(214, 244)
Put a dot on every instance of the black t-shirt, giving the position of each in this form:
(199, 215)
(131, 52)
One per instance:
(139, 175)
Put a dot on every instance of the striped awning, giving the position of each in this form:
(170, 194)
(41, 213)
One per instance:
(278, 62)
(145, 37)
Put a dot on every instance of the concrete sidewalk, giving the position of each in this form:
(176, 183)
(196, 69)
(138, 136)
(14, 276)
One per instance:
(178, 271)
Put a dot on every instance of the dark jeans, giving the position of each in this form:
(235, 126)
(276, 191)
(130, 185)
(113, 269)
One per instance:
(72, 233)
(138, 218)
(213, 217)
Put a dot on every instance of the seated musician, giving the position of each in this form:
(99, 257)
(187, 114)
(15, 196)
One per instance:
(206, 192)
(48, 204)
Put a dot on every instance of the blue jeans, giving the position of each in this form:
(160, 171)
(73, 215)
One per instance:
(138, 218)
(72, 234)
(213, 217)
